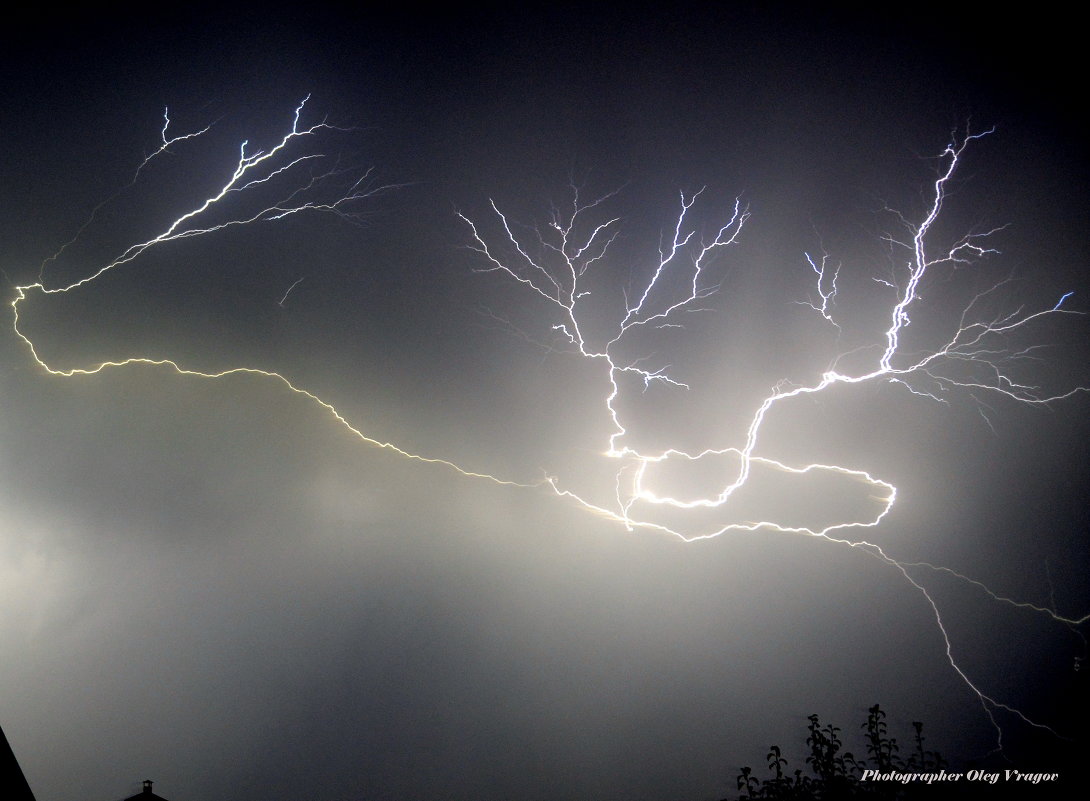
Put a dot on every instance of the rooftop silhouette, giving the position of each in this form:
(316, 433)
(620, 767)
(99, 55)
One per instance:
(146, 794)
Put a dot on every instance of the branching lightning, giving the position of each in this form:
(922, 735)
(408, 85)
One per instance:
(277, 167)
(553, 263)
(974, 360)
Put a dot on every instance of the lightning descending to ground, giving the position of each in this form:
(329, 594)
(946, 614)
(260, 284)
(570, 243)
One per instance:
(977, 359)
(558, 262)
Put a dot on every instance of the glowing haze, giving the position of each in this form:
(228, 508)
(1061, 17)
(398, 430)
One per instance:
(468, 482)
(979, 355)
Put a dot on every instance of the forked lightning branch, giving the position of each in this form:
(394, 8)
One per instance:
(554, 264)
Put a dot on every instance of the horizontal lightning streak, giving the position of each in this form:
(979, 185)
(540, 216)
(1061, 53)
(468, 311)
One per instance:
(244, 178)
(240, 371)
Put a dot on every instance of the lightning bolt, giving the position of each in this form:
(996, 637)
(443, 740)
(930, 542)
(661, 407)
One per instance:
(553, 262)
(306, 181)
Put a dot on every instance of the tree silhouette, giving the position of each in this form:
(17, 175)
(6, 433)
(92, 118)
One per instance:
(837, 774)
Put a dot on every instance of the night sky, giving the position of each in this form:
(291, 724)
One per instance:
(215, 585)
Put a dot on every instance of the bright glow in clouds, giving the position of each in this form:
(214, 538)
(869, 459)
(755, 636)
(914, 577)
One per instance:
(556, 265)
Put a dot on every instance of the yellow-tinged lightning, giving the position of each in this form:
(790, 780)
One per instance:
(975, 358)
(240, 371)
(267, 169)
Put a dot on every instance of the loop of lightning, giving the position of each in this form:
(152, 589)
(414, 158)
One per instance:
(553, 263)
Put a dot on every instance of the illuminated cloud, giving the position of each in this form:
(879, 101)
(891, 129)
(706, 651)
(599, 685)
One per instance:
(284, 515)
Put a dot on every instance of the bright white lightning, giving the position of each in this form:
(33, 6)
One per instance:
(574, 247)
(574, 254)
(300, 178)
(826, 287)
(975, 359)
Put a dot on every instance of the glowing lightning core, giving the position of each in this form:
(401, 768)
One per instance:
(975, 359)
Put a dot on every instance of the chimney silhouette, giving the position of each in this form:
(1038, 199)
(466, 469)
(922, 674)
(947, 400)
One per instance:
(146, 794)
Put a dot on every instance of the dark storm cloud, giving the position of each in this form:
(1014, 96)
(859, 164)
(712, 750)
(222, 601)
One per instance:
(210, 584)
